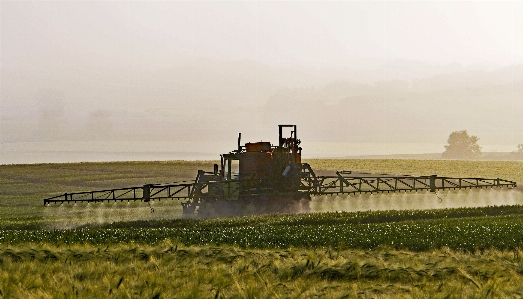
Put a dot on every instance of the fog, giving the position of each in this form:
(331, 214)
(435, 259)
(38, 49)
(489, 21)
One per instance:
(75, 215)
(178, 77)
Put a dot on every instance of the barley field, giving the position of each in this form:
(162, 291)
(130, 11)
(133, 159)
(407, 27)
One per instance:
(172, 270)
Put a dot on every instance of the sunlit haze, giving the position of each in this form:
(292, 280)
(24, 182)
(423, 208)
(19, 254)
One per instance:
(125, 80)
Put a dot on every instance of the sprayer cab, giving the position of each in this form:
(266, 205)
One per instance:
(261, 167)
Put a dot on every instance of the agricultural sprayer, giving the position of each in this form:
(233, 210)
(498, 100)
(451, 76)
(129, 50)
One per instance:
(260, 178)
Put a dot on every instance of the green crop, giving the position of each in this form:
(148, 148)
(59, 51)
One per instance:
(431, 230)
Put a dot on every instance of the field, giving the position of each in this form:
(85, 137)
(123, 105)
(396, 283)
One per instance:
(126, 251)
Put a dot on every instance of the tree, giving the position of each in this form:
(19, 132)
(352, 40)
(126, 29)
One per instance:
(461, 146)
(519, 153)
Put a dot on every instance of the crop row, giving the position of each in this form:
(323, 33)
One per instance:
(343, 218)
(501, 232)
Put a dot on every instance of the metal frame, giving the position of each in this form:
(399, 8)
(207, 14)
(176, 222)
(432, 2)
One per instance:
(143, 193)
(353, 184)
(344, 182)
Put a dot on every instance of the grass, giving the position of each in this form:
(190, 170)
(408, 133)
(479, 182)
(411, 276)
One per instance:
(172, 270)
(334, 255)
(23, 187)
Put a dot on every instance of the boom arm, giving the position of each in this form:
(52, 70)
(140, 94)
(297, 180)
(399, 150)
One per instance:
(344, 182)
(348, 183)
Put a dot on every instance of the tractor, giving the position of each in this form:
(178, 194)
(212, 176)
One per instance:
(262, 178)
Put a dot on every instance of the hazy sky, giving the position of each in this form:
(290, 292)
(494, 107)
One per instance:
(179, 68)
(156, 34)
